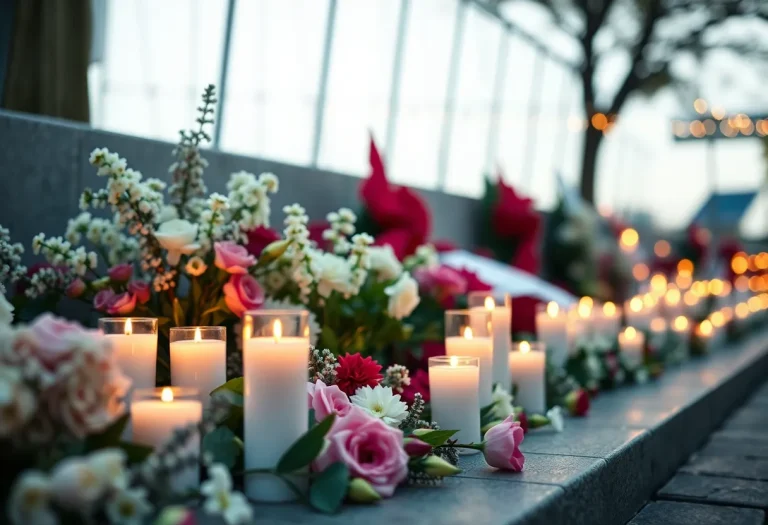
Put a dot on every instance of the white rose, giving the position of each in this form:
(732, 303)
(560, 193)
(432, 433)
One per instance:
(28, 502)
(177, 236)
(384, 262)
(17, 402)
(6, 311)
(109, 466)
(332, 273)
(75, 484)
(403, 296)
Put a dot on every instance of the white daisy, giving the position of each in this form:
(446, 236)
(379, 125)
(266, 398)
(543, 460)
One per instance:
(555, 416)
(502, 403)
(129, 507)
(381, 403)
(220, 500)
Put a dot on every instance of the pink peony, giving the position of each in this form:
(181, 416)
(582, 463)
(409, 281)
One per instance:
(242, 293)
(326, 400)
(75, 289)
(103, 299)
(369, 448)
(122, 304)
(52, 339)
(232, 258)
(120, 273)
(141, 290)
(501, 445)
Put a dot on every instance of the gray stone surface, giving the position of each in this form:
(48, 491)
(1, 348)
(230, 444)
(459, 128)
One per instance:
(749, 419)
(539, 468)
(739, 447)
(731, 467)
(711, 489)
(673, 513)
(581, 438)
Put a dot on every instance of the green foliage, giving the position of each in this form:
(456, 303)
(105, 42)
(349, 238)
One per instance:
(109, 437)
(305, 449)
(327, 491)
(436, 437)
(223, 446)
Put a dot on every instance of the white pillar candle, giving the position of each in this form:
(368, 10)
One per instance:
(658, 332)
(637, 314)
(575, 330)
(705, 333)
(500, 308)
(631, 343)
(275, 360)
(611, 321)
(156, 413)
(199, 358)
(527, 365)
(134, 341)
(482, 348)
(454, 397)
(552, 330)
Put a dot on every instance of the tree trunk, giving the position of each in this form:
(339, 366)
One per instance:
(592, 140)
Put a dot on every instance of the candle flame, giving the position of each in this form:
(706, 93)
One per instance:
(277, 330)
(198, 335)
(467, 332)
(636, 304)
(630, 333)
(128, 327)
(672, 297)
(584, 310)
(454, 361)
(680, 323)
(609, 309)
(490, 304)
(552, 309)
(525, 347)
(586, 301)
(649, 300)
(658, 324)
(167, 395)
(705, 328)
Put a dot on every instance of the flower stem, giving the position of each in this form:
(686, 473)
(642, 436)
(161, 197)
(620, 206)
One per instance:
(473, 446)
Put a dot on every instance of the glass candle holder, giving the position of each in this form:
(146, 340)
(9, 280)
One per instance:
(631, 345)
(156, 413)
(275, 360)
(134, 340)
(499, 305)
(467, 333)
(454, 385)
(552, 330)
(527, 366)
(199, 358)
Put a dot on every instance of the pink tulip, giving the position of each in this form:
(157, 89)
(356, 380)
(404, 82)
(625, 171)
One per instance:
(501, 445)
(122, 304)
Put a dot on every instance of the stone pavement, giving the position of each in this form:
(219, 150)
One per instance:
(726, 482)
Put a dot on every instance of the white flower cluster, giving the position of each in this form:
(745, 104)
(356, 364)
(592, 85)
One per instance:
(342, 225)
(104, 234)
(299, 252)
(78, 485)
(11, 269)
(212, 220)
(59, 252)
(221, 500)
(424, 257)
(249, 203)
(187, 173)
(47, 280)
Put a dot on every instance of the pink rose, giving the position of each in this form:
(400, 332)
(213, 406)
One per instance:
(75, 289)
(140, 289)
(52, 339)
(502, 445)
(120, 273)
(442, 282)
(242, 293)
(122, 304)
(102, 300)
(232, 258)
(369, 448)
(327, 399)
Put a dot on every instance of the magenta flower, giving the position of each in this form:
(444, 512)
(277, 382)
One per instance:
(141, 290)
(122, 304)
(120, 273)
(103, 299)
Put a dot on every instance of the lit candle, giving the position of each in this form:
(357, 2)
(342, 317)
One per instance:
(606, 321)
(552, 330)
(199, 358)
(454, 384)
(637, 313)
(156, 413)
(658, 332)
(134, 340)
(631, 343)
(275, 360)
(500, 307)
(462, 340)
(672, 303)
(704, 331)
(575, 330)
(527, 364)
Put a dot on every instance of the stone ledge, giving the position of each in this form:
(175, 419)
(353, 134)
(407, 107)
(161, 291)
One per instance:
(602, 469)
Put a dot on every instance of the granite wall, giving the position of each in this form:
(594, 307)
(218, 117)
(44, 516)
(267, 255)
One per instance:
(44, 168)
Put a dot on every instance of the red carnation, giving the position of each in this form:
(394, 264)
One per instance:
(355, 371)
(259, 238)
(577, 402)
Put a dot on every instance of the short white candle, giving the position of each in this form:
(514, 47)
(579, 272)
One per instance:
(275, 395)
(631, 343)
(135, 350)
(527, 365)
(705, 333)
(481, 348)
(454, 397)
(500, 307)
(575, 330)
(156, 413)
(681, 327)
(637, 314)
(552, 330)
(607, 320)
(197, 361)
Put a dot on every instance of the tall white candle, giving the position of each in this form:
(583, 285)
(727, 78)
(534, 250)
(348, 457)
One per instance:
(681, 327)
(575, 330)
(527, 365)
(631, 343)
(500, 307)
(481, 348)
(275, 396)
(552, 330)
(454, 397)
(197, 361)
(637, 313)
(156, 413)
(658, 332)
(134, 350)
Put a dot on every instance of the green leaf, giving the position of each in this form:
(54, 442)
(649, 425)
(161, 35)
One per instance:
(329, 489)
(222, 445)
(110, 436)
(136, 453)
(178, 312)
(328, 339)
(436, 437)
(486, 414)
(233, 385)
(305, 449)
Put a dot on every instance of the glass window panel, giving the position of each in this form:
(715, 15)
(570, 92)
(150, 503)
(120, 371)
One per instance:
(359, 82)
(274, 73)
(154, 71)
(422, 92)
(472, 107)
